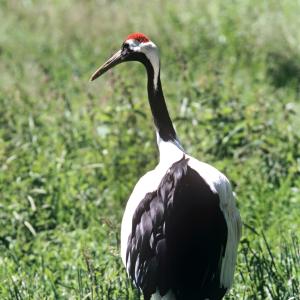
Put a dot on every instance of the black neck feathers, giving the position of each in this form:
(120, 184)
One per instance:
(159, 110)
(157, 103)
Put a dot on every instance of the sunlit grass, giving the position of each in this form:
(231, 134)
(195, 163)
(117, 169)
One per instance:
(71, 151)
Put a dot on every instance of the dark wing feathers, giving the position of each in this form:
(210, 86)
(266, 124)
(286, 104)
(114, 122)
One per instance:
(178, 236)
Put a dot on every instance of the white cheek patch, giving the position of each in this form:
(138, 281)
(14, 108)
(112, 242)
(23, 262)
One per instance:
(151, 52)
(134, 45)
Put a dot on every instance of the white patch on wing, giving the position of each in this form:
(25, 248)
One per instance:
(234, 225)
(148, 183)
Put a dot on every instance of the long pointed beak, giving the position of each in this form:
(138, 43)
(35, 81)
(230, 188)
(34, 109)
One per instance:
(116, 59)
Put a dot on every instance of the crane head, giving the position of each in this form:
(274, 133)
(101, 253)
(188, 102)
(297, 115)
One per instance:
(136, 47)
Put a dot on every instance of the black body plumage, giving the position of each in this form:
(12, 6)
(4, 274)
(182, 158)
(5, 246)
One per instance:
(178, 238)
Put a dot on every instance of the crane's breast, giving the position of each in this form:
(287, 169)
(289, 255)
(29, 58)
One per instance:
(178, 238)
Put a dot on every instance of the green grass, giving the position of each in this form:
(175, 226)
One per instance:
(71, 151)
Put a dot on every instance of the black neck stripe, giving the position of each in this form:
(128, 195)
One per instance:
(157, 101)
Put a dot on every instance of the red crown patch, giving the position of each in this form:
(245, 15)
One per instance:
(140, 37)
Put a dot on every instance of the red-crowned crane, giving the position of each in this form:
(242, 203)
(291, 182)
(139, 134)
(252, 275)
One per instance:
(181, 228)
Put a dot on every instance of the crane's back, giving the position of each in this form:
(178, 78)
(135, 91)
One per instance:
(178, 238)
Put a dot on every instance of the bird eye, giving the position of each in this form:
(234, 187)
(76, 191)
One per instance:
(125, 46)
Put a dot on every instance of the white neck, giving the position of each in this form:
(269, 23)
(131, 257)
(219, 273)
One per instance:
(169, 152)
(152, 54)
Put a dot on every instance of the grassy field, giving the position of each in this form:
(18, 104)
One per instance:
(71, 151)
